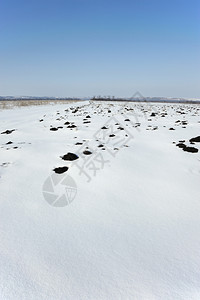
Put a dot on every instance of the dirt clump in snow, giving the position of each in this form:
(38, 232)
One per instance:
(87, 152)
(190, 149)
(8, 131)
(60, 170)
(195, 140)
(70, 156)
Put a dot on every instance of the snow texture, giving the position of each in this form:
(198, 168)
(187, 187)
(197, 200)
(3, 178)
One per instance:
(133, 229)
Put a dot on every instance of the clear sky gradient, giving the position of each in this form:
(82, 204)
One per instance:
(105, 47)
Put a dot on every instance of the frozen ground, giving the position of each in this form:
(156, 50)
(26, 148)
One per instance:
(132, 227)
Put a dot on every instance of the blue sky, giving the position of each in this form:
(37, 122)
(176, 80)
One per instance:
(89, 47)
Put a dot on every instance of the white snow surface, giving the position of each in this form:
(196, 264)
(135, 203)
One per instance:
(132, 231)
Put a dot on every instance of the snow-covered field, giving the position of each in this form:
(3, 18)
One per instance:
(123, 222)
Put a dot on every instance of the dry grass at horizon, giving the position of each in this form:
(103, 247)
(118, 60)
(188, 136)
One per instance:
(9, 104)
